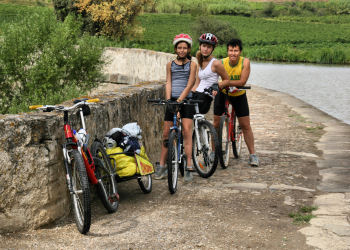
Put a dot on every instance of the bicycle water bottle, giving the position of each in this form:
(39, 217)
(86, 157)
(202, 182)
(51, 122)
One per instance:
(81, 136)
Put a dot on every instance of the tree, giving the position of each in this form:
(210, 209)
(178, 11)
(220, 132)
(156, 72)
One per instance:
(114, 18)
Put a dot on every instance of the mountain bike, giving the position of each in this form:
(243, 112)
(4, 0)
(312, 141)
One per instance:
(176, 159)
(205, 143)
(83, 165)
(230, 132)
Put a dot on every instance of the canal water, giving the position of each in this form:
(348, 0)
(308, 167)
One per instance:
(324, 87)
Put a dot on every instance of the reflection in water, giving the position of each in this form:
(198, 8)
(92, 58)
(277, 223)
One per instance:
(324, 87)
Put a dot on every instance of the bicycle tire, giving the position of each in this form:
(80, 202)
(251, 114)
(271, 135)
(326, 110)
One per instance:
(173, 162)
(145, 183)
(236, 138)
(183, 165)
(107, 186)
(224, 141)
(202, 156)
(80, 194)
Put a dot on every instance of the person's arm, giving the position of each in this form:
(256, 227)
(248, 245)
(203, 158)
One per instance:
(219, 68)
(244, 76)
(168, 81)
(190, 82)
(196, 84)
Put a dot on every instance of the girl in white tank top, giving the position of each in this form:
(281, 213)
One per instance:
(208, 72)
(207, 77)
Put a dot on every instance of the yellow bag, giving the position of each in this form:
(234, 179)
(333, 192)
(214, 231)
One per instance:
(123, 164)
(144, 165)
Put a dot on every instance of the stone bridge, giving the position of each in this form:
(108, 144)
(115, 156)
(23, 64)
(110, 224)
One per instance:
(32, 184)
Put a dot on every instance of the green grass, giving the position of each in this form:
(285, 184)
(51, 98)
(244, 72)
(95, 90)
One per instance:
(264, 39)
(304, 215)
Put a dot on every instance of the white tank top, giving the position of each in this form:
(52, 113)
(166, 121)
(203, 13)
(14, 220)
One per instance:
(207, 77)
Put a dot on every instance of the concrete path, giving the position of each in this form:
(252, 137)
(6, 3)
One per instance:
(330, 229)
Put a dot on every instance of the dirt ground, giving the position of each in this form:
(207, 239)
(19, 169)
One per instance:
(237, 208)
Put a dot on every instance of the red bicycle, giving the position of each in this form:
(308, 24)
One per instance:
(83, 166)
(230, 133)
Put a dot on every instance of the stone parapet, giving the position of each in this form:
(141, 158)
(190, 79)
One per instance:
(135, 65)
(32, 184)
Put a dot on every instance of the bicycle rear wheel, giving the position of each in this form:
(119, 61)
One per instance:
(173, 162)
(236, 138)
(80, 194)
(205, 156)
(107, 185)
(224, 141)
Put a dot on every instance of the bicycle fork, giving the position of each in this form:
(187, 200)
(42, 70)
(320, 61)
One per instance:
(197, 132)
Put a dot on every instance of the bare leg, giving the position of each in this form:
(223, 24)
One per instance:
(244, 122)
(164, 151)
(187, 134)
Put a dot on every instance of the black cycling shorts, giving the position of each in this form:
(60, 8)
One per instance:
(204, 106)
(186, 111)
(239, 103)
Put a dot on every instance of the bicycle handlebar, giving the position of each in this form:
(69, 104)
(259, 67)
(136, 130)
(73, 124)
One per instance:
(77, 103)
(183, 102)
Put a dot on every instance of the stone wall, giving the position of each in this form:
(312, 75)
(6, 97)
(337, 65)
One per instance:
(135, 65)
(32, 185)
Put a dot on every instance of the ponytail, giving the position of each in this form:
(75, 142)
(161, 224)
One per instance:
(199, 58)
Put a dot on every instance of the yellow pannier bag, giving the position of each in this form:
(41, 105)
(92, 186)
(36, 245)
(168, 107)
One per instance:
(144, 165)
(123, 164)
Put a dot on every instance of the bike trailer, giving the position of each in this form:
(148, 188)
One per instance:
(125, 151)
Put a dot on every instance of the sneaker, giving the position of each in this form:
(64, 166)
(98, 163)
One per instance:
(188, 176)
(161, 172)
(253, 160)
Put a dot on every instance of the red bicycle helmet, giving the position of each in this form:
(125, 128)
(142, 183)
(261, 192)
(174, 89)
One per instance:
(208, 38)
(182, 38)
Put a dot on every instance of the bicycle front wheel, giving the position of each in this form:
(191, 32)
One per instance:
(236, 138)
(205, 149)
(224, 141)
(107, 185)
(173, 161)
(80, 194)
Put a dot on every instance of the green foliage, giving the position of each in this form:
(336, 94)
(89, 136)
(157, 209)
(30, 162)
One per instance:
(224, 30)
(339, 7)
(304, 215)
(113, 18)
(44, 61)
(288, 40)
(204, 7)
(244, 8)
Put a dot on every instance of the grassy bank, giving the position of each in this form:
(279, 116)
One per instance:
(287, 38)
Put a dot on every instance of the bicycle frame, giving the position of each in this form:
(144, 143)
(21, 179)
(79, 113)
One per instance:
(231, 116)
(179, 136)
(83, 149)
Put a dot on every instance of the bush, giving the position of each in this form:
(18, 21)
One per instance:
(233, 8)
(223, 30)
(168, 7)
(45, 61)
(339, 7)
(113, 18)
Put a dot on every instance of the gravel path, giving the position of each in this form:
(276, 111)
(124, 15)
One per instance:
(237, 208)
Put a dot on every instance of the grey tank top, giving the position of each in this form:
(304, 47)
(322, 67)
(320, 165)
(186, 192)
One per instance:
(179, 78)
